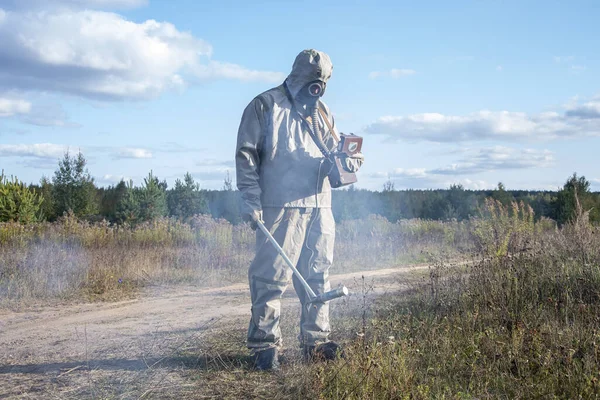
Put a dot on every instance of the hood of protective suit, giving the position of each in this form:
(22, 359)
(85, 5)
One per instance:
(278, 164)
(310, 65)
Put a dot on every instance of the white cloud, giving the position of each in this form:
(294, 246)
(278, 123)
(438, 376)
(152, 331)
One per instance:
(416, 178)
(222, 70)
(45, 114)
(132, 152)
(409, 173)
(17, 131)
(392, 73)
(569, 61)
(409, 181)
(109, 179)
(128, 152)
(48, 115)
(38, 150)
(97, 4)
(497, 158)
(563, 59)
(587, 110)
(10, 107)
(104, 3)
(485, 125)
(39, 163)
(397, 73)
(55, 151)
(102, 55)
(499, 68)
(470, 184)
(213, 174)
(212, 162)
(378, 175)
(473, 161)
(578, 68)
(174, 147)
(213, 171)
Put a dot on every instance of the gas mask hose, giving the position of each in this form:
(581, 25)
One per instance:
(315, 126)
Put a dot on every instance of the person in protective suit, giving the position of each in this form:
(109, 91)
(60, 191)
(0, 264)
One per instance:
(282, 176)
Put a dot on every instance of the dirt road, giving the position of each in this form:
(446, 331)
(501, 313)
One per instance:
(102, 350)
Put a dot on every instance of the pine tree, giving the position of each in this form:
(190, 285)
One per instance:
(73, 187)
(565, 208)
(17, 202)
(502, 195)
(227, 183)
(185, 199)
(110, 198)
(152, 198)
(45, 190)
(389, 186)
(128, 206)
(231, 201)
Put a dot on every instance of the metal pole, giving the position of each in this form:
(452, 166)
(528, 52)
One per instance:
(311, 294)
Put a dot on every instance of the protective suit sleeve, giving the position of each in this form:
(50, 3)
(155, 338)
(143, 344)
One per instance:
(247, 156)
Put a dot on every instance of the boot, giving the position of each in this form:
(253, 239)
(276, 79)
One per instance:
(266, 360)
(322, 352)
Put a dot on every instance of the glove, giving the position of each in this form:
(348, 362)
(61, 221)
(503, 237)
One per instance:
(252, 218)
(354, 162)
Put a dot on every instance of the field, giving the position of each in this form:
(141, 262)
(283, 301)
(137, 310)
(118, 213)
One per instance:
(501, 306)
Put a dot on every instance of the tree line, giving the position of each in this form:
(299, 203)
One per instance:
(72, 189)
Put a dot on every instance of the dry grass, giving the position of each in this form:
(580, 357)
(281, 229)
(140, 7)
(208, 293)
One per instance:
(75, 260)
(523, 323)
(72, 259)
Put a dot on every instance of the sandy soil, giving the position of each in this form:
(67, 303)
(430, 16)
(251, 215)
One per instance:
(113, 350)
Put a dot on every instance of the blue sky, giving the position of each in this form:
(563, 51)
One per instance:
(469, 92)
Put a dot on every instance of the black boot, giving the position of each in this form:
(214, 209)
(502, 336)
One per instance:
(266, 360)
(323, 351)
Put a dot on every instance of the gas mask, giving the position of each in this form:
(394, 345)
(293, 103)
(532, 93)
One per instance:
(310, 93)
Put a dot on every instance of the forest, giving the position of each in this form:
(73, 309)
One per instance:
(73, 189)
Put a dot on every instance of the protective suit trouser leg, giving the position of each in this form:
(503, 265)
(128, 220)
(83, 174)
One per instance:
(306, 236)
(314, 263)
(269, 275)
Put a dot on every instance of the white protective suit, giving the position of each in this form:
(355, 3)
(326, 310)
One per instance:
(282, 172)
